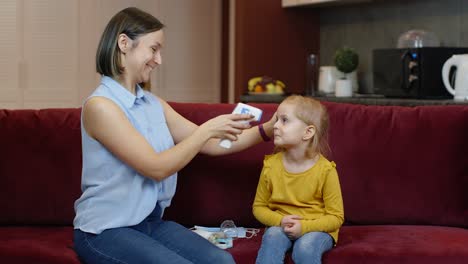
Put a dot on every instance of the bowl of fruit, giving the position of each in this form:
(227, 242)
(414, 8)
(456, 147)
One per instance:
(266, 85)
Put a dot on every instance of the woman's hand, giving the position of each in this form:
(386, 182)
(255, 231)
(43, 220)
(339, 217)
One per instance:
(226, 126)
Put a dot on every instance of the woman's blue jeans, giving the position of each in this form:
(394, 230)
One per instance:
(152, 241)
(309, 248)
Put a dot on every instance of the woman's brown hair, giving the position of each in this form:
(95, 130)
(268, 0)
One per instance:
(132, 22)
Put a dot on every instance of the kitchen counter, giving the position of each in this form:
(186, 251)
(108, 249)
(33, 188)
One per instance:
(365, 99)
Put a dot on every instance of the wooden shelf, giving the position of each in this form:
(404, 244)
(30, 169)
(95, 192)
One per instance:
(360, 99)
(297, 3)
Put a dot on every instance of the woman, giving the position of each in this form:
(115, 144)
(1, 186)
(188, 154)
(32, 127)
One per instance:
(133, 145)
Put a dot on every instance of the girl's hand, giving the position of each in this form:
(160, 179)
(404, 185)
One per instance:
(289, 220)
(292, 226)
(226, 126)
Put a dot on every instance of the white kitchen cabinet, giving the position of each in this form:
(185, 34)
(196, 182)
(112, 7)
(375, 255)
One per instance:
(295, 3)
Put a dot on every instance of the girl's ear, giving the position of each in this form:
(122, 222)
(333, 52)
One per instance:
(309, 133)
(124, 42)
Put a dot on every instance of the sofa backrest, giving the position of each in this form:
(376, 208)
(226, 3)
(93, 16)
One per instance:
(402, 165)
(40, 165)
(212, 189)
(397, 165)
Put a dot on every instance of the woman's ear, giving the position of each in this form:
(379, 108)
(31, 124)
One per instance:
(309, 132)
(124, 42)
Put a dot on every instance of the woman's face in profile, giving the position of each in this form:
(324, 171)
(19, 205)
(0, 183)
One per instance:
(144, 56)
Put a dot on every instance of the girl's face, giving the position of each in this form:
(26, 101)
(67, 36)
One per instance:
(143, 56)
(289, 130)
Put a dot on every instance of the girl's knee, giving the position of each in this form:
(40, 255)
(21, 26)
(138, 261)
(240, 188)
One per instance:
(315, 240)
(274, 231)
(310, 247)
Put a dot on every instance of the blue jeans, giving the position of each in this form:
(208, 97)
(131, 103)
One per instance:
(152, 241)
(309, 248)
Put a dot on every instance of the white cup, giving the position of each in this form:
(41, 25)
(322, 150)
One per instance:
(327, 78)
(354, 80)
(344, 88)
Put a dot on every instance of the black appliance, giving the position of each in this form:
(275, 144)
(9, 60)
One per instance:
(412, 72)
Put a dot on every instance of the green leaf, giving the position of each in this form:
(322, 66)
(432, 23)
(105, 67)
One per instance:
(346, 59)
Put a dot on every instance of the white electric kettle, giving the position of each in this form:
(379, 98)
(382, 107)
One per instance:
(460, 61)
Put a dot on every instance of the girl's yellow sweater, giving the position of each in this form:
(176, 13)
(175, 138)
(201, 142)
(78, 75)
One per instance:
(315, 195)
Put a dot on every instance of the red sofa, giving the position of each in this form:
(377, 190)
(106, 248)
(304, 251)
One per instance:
(403, 173)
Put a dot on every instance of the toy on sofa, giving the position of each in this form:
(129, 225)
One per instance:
(217, 237)
(224, 235)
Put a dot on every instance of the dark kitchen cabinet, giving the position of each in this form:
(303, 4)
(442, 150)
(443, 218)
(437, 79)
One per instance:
(268, 40)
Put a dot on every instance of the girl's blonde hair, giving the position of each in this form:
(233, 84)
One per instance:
(312, 112)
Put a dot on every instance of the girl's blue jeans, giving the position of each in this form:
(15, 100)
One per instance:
(152, 241)
(309, 248)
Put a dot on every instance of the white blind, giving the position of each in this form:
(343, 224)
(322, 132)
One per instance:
(50, 50)
(9, 61)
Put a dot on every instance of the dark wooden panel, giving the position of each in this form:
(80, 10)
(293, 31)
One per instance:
(225, 52)
(274, 41)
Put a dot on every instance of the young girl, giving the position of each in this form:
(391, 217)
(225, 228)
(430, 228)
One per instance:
(298, 194)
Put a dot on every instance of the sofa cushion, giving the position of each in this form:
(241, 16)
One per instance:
(381, 244)
(357, 244)
(38, 245)
(400, 244)
(397, 165)
(40, 165)
(401, 165)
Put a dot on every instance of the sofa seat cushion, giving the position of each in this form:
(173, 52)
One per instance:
(381, 244)
(245, 249)
(400, 244)
(37, 245)
(357, 244)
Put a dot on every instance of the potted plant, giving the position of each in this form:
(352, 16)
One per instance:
(346, 61)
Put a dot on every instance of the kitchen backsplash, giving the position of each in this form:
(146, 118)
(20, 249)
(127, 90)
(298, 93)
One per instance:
(375, 25)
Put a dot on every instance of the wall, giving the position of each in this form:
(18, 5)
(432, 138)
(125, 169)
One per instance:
(378, 24)
(191, 69)
(48, 47)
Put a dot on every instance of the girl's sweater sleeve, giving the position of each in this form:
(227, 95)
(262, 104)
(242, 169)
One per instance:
(260, 208)
(333, 217)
